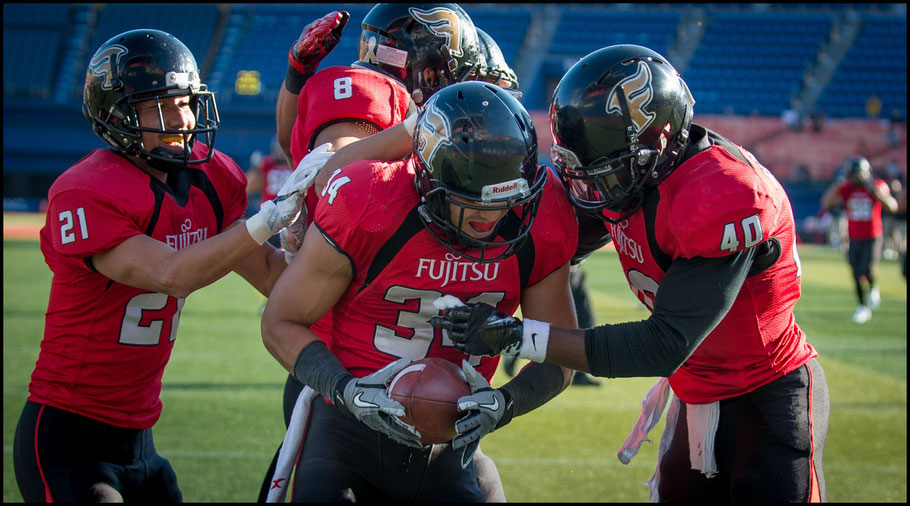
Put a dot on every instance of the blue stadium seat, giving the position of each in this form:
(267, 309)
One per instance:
(764, 57)
(875, 64)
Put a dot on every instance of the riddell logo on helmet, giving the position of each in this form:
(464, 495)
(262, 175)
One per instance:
(504, 190)
(505, 187)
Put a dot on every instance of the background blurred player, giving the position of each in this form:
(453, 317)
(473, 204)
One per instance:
(131, 231)
(863, 198)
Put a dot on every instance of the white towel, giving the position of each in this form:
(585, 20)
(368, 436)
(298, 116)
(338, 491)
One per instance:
(290, 447)
(702, 421)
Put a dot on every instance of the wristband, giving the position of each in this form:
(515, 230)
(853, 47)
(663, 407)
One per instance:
(257, 228)
(535, 336)
(318, 367)
(410, 123)
(294, 81)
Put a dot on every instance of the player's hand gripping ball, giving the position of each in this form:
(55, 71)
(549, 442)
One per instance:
(429, 390)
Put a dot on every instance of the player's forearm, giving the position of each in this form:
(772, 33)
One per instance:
(262, 268)
(887, 201)
(284, 338)
(285, 116)
(831, 198)
(391, 144)
(202, 263)
(536, 384)
(567, 348)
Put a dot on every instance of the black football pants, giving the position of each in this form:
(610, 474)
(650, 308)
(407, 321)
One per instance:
(59, 456)
(768, 446)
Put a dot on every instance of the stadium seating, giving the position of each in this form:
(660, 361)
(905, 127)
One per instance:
(745, 63)
(876, 64)
(754, 61)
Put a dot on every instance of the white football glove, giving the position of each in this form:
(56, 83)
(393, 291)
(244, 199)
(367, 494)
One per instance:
(277, 214)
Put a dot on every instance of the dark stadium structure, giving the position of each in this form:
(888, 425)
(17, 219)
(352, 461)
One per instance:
(801, 85)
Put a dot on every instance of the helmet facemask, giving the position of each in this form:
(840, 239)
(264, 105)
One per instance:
(511, 230)
(616, 184)
(206, 123)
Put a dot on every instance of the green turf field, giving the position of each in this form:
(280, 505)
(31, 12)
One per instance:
(222, 392)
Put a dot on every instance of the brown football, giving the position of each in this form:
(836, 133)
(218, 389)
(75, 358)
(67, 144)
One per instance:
(429, 390)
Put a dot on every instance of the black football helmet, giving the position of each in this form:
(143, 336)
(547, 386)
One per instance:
(423, 46)
(141, 65)
(475, 141)
(620, 120)
(859, 171)
(496, 70)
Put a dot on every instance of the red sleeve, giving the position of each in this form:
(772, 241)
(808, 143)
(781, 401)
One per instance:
(728, 209)
(555, 230)
(83, 222)
(882, 186)
(230, 184)
(341, 212)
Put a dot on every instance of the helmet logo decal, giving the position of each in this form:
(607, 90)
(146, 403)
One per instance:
(433, 132)
(103, 64)
(638, 91)
(368, 50)
(442, 22)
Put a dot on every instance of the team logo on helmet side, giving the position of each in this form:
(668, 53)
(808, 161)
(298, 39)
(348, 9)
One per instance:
(103, 64)
(637, 90)
(433, 132)
(442, 22)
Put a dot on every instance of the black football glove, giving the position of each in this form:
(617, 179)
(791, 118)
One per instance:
(479, 329)
(317, 40)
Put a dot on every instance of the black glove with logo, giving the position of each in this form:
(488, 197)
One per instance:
(479, 329)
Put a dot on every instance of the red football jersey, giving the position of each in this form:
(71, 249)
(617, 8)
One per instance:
(344, 93)
(106, 344)
(275, 174)
(713, 205)
(864, 212)
(369, 212)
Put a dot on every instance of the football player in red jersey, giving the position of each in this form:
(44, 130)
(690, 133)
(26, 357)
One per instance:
(862, 197)
(469, 214)
(706, 239)
(407, 52)
(131, 231)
